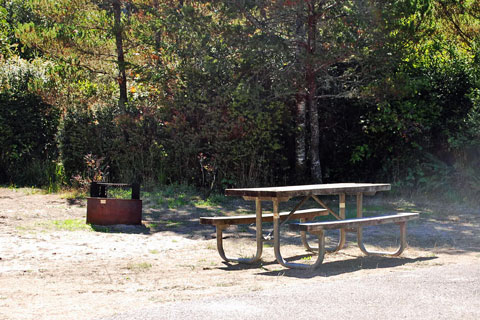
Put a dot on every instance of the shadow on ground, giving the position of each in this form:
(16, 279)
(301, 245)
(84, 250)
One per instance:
(455, 231)
(328, 269)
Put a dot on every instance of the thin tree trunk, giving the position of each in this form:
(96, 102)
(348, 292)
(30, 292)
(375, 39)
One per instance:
(118, 31)
(315, 166)
(300, 101)
(310, 77)
(300, 143)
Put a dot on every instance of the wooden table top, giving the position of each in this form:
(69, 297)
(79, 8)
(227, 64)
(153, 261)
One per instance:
(308, 190)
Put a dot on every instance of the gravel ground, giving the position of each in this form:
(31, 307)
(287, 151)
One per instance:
(54, 267)
(438, 292)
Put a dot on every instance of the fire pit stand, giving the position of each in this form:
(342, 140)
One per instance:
(108, 211)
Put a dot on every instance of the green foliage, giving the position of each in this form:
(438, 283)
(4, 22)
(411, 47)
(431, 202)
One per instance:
(76, 140)
(14, 13)
(418, 132)
(214, 88)
(58, 225)
(27, 139)
(212, 200)
(18, 76)
(222, 124)
(119, 193)
(71, 225)
(129, 144)
(174, 196)
(170, 196)
(5, 46)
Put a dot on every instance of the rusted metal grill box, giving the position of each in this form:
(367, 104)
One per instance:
(108, 211)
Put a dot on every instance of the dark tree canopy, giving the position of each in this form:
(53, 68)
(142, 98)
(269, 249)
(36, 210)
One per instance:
(243, 93)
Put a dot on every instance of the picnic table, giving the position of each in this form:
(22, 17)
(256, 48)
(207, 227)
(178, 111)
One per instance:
(305, 192)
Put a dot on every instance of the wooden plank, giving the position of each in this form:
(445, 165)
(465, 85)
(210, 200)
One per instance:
(309, 190)
(353, 223)
(266, 217)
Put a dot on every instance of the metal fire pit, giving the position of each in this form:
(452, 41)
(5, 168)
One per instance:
(107, 211)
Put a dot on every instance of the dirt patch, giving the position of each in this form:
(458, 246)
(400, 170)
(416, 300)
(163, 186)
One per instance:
(53, 266)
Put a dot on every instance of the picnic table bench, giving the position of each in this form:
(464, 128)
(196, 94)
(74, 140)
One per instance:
(283, 194)
(223, 222)
(318, 229)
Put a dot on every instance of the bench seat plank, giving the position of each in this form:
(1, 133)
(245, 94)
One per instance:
(248, 219)
(353, 223)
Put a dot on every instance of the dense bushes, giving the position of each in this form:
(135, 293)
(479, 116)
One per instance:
(207, 146)
(27, 139)
(128, 145)
(418, 128)
(423, 134)
(215, 100)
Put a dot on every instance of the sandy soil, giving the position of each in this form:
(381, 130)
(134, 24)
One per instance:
(50, 273)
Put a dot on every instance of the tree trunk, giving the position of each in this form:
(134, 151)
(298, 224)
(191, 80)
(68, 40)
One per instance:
(315, 167)
(300, 101)
(310, 78)
(300, 143)
(118, 32)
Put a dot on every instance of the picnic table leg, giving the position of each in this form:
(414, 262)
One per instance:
(259, 238)
(400, 249)
(276, 243)
(403, 234)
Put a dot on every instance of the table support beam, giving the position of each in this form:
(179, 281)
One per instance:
(320, 202)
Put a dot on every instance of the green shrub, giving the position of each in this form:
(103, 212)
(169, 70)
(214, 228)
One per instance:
(28, 127)
(129, 144)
